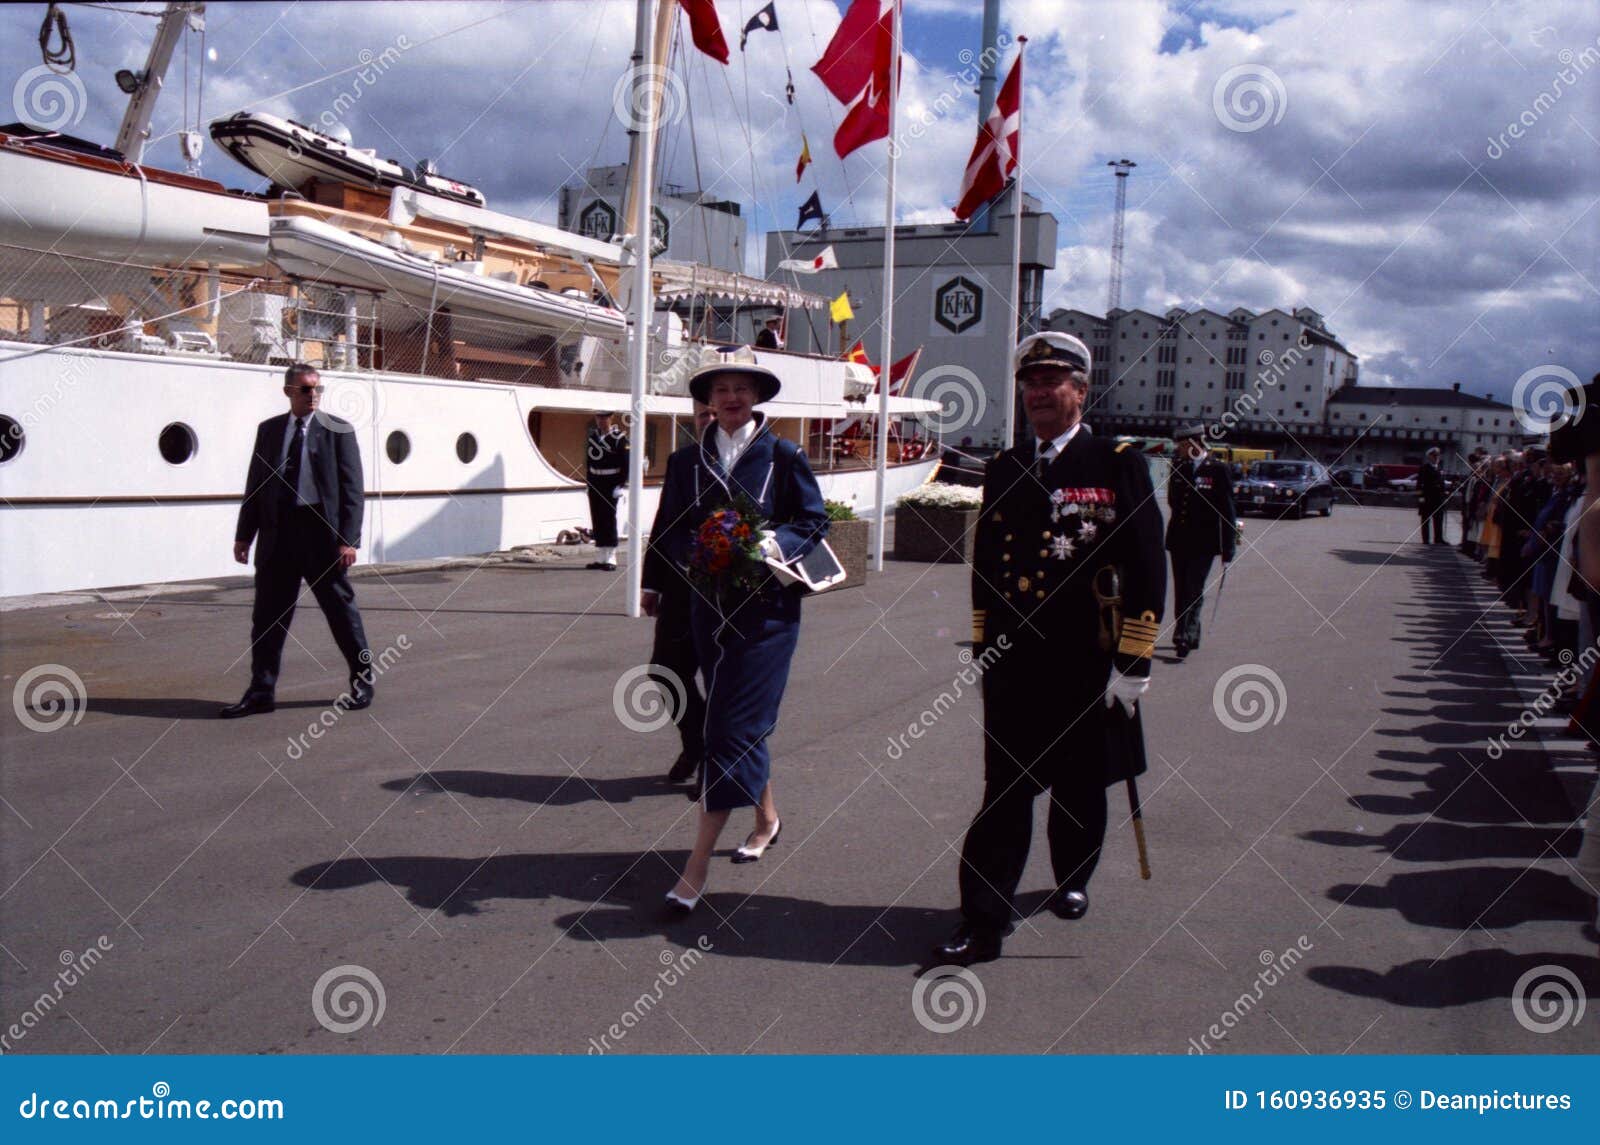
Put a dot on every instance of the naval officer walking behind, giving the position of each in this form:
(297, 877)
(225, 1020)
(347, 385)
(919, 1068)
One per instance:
(1059, 514)
(302, 507)
(1201, 526)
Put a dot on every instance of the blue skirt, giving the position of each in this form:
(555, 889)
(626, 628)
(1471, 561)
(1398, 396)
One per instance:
(744, 654)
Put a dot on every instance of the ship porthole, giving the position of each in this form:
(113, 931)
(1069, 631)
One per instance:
(466, 448)
(177, 443)
(12, 438)
(398, 446)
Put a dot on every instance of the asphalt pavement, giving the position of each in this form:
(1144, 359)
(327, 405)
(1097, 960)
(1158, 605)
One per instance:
(475, 864)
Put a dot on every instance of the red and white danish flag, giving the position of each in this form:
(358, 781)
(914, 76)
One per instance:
(998, 149)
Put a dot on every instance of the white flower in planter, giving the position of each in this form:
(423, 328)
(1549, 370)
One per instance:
(937, 496)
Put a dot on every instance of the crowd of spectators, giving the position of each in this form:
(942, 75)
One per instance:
(1529, 518)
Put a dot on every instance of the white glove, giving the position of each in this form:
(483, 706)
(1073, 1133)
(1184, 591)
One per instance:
(769, 547)
(1126, 690)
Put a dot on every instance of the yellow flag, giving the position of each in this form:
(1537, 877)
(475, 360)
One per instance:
(840, 310)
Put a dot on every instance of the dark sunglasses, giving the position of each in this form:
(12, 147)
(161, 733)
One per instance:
(305, 389)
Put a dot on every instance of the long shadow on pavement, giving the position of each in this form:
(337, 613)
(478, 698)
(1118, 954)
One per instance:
(1463, 808)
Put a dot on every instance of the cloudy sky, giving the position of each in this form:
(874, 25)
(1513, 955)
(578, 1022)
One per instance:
(1427, 175)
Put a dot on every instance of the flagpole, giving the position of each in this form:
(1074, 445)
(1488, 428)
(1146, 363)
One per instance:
(644, 102)
(886, 356)
(1016, 267)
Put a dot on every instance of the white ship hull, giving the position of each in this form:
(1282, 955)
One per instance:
(90, 503)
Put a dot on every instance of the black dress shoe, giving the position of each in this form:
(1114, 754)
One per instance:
(253, 703)
(1183, 651)
(1071, 904)
(683, 770)
(360, 694)
(968, 945)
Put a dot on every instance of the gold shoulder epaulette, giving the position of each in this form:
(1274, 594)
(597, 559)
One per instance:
(1139, 635)
(1123, 445)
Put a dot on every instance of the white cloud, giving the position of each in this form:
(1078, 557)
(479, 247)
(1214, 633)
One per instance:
(1376, 197)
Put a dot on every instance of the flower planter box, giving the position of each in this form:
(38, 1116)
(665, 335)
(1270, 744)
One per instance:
(850, 541)
(926, 533)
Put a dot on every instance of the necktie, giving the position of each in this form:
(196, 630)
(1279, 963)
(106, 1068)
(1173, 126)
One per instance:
(1044, 458)
(291, 463)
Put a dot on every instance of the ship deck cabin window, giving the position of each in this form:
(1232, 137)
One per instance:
(177, 443)
(466, 448)
(12, 439)
(397, 446)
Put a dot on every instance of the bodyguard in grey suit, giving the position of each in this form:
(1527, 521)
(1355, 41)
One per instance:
(302, 507)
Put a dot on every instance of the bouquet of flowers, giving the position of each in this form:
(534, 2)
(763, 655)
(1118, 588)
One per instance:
(725, 553)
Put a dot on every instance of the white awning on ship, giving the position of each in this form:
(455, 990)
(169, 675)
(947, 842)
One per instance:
(618, 401)
(680, 280)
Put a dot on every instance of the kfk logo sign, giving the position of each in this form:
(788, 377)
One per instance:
(598, 221)
(958, 305)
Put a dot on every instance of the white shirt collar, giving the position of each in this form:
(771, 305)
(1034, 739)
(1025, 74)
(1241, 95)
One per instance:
(1056, 446)
(730, 446)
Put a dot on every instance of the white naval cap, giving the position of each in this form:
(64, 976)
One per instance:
(1051, 348)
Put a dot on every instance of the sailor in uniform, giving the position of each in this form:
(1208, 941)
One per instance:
(1059, 512)
(1201, 526)
(605, 454)
(745, 639)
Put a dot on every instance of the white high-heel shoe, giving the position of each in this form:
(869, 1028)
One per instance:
(745, 853)
(680, 905)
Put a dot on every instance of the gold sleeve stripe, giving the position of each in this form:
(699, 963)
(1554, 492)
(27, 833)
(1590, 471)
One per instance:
(1135, 646)
(979, 616)
(1142, 629)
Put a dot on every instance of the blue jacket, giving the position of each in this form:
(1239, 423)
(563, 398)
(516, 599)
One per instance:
(772, 472)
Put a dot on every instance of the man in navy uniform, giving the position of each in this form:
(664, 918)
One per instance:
(1200, 527)
(605, 453)
(302, 507)
(1058, 512)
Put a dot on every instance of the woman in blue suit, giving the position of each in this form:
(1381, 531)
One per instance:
(745, 639)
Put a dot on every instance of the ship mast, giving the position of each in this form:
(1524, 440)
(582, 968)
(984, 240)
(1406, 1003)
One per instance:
(644, 103)
(135, 130)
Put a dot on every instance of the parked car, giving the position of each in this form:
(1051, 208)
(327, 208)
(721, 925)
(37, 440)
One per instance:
(1405, 484)
(1293, 487)
(1350, 476)
(1387, 476)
